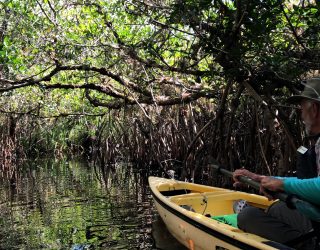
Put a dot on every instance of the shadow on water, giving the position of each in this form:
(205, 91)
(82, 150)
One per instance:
(73, 205)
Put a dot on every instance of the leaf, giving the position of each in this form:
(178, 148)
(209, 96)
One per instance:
(6, 41)
(314, 10)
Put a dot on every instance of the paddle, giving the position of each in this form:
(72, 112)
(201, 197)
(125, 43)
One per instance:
(308, 209)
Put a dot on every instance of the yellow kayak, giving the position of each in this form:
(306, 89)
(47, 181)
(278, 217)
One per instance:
(203, 217)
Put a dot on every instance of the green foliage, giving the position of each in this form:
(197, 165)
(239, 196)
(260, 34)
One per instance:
(60, 58)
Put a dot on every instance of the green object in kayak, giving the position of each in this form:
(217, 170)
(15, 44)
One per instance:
(230, 219)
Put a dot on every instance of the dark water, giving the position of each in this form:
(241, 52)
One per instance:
(73, 205)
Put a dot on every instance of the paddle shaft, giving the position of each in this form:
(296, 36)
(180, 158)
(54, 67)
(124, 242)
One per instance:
(242, 179)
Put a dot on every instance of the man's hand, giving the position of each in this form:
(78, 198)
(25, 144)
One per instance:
(244, 172)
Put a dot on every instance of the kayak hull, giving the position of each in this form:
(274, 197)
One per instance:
(187, 210)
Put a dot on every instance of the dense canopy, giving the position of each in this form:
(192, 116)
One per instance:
(224, 57)
(156, 52)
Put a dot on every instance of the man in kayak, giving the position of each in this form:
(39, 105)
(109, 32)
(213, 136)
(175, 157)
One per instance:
(280, 223)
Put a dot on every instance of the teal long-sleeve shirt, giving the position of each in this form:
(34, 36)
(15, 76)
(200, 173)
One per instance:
(307, 189)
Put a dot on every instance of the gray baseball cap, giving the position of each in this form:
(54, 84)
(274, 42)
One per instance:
(311, 91)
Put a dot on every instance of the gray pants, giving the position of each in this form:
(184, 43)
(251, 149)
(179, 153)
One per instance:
(279, 223)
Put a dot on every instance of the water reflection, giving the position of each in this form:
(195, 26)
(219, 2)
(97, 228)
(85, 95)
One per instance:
(72, 205)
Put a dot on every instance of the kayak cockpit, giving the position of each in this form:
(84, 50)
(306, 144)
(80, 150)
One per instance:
(216, 203)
